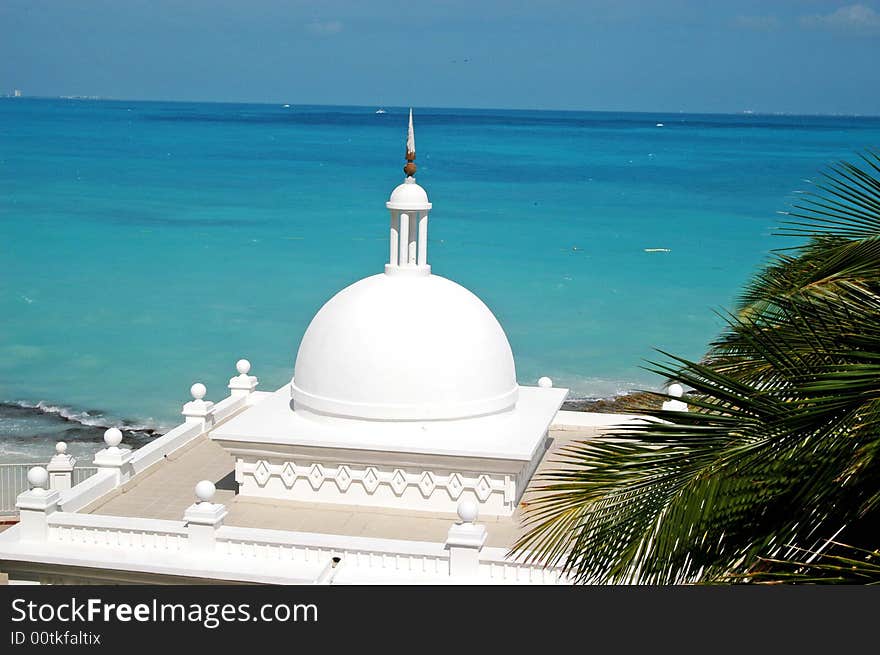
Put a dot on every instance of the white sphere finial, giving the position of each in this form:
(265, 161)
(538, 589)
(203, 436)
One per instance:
(198, 390)
(467, 511)
(60, 447)
(243, 366)
(38, 477)
(113, 437)
(675, 390)
(545, 382)
(205, 491)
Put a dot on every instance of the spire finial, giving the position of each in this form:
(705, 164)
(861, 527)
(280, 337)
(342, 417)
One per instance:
(410, 168)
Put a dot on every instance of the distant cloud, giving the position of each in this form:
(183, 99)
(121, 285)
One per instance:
(756, 23)
(325, 28)
(852, 18)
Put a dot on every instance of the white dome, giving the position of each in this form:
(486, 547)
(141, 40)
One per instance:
(408, 195)
(404, 347)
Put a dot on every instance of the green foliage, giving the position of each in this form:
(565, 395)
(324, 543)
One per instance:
(838, 564)
(779, 453)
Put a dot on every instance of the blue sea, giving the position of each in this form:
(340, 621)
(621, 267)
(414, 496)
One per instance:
(149, 245)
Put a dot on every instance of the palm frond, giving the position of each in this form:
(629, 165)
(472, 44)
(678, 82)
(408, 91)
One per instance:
(781, 447)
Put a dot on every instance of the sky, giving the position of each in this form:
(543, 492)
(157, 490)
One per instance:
(791, 56)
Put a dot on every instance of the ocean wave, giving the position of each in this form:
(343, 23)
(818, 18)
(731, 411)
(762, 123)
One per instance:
(593, 389)
(83, 417)
(29, 431)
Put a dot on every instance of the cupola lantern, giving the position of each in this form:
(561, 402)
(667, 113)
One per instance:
(409, 209)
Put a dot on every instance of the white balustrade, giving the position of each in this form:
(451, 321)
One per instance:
(158, 448)
(116, 465)
(115, 532)
(89, 490)
(180, 547)
(250, 553)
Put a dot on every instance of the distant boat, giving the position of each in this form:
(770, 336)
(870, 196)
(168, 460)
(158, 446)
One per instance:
(658, 250)
(286, 106)
(381, 111)
(659, 124)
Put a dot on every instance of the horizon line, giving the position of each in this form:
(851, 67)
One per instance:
(741, 112)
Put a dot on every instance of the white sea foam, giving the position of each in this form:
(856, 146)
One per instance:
(587, 388)
(84, 417)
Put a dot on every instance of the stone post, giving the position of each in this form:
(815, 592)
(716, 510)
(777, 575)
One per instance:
(35, 505)
(113, 457)
(60, 468)
(242, 385)
(464, 542)
(203, 518)
(199, 410)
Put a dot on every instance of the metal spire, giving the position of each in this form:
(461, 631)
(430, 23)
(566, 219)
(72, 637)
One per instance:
(410, 168)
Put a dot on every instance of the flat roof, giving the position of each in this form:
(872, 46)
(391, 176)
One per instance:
(514, 434)
(167, 490)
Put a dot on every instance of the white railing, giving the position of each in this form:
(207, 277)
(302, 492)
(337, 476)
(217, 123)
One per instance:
(200, 546)
(398, 555)
(496, 567)
(158, 448)
(86, 487)
(83, 473)
(13, 480)
(93, 530)
(227, 408)
(254, 553)
(86, 492)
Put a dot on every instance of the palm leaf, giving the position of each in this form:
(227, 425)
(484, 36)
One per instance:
(781, 446)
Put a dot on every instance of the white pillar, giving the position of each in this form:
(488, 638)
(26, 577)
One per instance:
(243, 385)
(60, 468)
(404, 240)
(35, 505)
(113, 457)
(395, 239)
(464, 542)
(413, 235)
(423, 239)
(199, 410)
(674, 404)
(203, 518)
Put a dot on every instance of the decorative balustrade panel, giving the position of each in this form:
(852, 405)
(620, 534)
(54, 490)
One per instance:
(240, 548)
(117, 532)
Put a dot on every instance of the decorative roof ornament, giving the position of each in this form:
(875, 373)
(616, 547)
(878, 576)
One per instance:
(410, 168)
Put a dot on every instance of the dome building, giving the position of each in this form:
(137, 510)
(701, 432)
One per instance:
(404, 393)
(402, 425)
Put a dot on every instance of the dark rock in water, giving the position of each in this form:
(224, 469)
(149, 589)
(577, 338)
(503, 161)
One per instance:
(631, 403)
(84, 433)
(30, 433)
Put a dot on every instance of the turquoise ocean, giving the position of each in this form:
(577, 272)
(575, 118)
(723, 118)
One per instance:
(149, 245)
